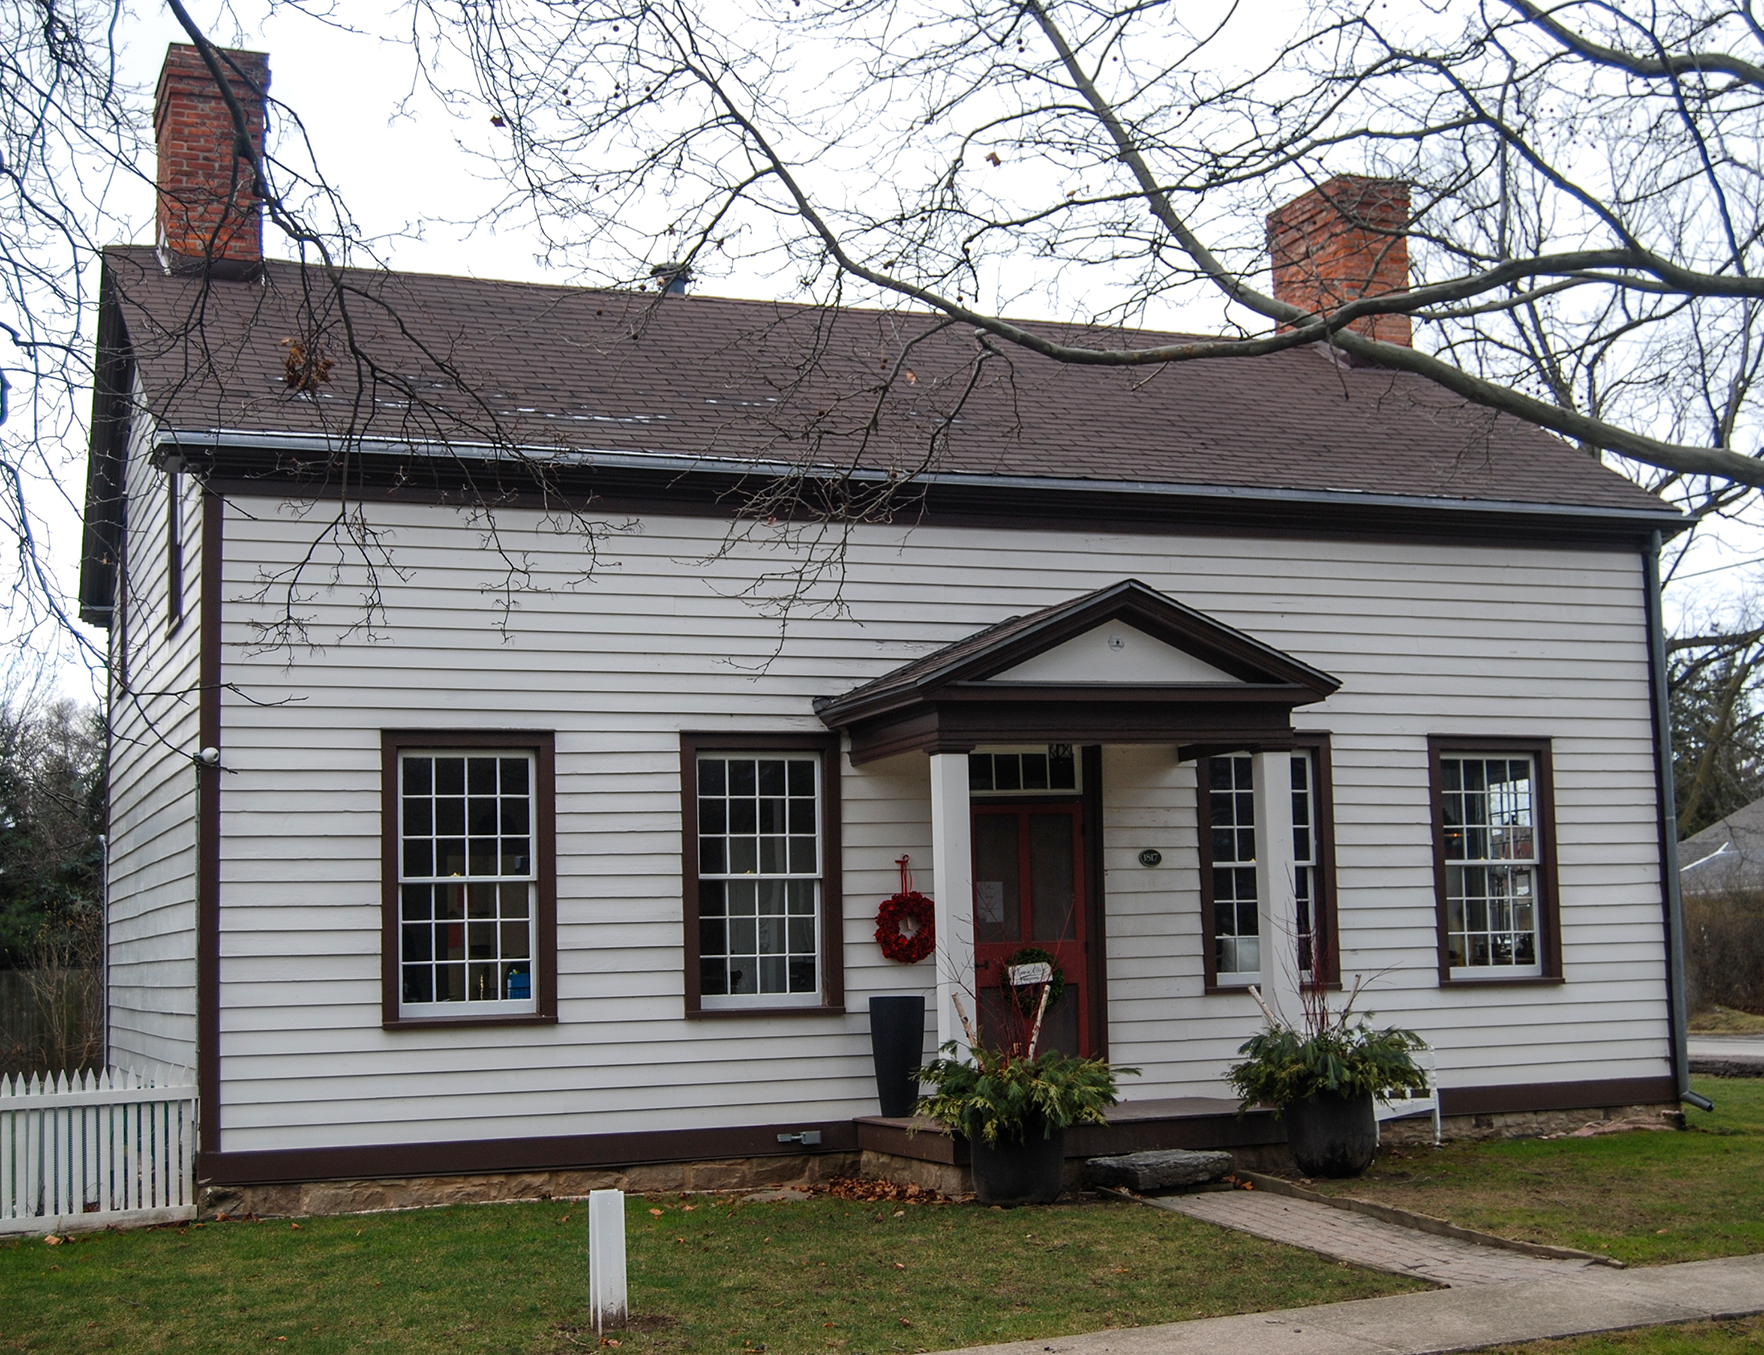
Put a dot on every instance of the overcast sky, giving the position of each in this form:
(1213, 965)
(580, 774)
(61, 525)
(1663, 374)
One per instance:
(403, 165)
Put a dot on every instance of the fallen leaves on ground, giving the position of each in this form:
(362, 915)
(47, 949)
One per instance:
(876, 1192)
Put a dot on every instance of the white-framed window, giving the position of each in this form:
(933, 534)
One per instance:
(760, 823)
(1305, 857)
(467, 881)
(1489, 818)
(1231, 815)
(1233, 898)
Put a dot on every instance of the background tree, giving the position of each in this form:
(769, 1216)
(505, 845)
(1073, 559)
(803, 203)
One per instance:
(51, 814)
(1585, 210)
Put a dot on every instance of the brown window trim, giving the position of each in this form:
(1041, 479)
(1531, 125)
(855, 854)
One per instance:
(832, 904)
(1549, 905)
(1315, 742)
(543, 746)
(174, 552)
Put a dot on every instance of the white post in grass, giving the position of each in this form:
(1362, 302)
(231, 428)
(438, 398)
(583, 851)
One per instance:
(606, 1259)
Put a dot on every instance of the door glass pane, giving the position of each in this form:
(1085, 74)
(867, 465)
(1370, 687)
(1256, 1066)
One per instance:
(997, 892)
(1051, 893)
(1059, 1027)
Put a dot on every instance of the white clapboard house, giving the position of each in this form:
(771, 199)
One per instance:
(494, 787)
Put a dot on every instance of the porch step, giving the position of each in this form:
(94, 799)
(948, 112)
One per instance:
(1195, 1123)
(1162, 1169)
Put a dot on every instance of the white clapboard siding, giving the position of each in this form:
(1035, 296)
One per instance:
(96, 1150)
(151, 963)
(658, 642)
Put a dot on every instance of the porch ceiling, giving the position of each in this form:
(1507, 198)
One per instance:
(964, 694)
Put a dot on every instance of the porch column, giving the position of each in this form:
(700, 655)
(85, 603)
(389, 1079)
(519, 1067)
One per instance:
(952, 865)
(1276, 886)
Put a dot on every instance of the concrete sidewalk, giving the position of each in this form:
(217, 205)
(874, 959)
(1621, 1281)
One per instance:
(1596, 1299)
(1727, 1055)
(1365, 1241)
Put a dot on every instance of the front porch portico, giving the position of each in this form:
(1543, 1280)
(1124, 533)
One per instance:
(1125, 665)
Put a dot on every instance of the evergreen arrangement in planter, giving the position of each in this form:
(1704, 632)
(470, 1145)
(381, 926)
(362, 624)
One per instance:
(1014, 1106)
(1322, 1080)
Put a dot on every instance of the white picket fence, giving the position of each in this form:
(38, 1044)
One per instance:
(95, 1150)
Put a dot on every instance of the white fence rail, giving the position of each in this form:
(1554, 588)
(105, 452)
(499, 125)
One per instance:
(94, 1150)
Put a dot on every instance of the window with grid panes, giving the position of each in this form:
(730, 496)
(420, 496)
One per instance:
(759, 879)
(466, 880)
(1232, 814)
(1491, 852)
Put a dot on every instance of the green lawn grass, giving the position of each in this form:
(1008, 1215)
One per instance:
(1645, 1198)
(818, 1277)
(1693, 1338)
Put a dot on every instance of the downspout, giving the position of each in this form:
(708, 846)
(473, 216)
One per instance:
(1672, 899)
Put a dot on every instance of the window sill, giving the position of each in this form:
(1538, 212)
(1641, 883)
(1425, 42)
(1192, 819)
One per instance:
(435, 1022)
(741, 1013)
(1213, 989)
(1502, 981)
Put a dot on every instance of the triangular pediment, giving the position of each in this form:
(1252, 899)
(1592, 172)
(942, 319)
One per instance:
(1125, 642)
(1115, 652)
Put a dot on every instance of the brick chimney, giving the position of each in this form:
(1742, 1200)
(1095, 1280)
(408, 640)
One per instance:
(1343, 240)
(209, 219)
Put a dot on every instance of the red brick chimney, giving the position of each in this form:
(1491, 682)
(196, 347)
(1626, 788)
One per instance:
(1343, 240)
(208, 216)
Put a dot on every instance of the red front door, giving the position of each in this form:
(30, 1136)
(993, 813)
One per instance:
(1029, 894)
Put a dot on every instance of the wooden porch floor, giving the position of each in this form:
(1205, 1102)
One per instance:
(1134, 1126)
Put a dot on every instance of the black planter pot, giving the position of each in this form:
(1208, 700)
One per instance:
(1029, 1172)
(1332, 1135)
(897, 1043)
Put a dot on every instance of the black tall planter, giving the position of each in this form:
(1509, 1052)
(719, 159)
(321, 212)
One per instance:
(1019, 1173)
(897, 1043)
(1332, 1135)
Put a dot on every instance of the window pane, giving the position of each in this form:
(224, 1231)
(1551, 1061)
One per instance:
(997, 887)
(419, 983)
(1052, 891)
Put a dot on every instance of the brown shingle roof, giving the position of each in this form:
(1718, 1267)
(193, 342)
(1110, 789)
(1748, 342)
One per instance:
(458, 359)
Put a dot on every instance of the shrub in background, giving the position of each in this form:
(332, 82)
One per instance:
(1724, 950)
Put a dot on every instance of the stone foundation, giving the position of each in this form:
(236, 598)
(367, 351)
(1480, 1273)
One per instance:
(813, 1169)
(301, 1199)
(1532, 1124)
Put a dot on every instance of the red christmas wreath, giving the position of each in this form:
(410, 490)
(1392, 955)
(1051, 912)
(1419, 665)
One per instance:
(906, 924)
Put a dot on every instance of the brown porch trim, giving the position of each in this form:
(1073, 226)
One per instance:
(1542, 1096)
(958, 726)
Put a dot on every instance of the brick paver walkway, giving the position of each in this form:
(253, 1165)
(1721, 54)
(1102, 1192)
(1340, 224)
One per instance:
(1366, 1241)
